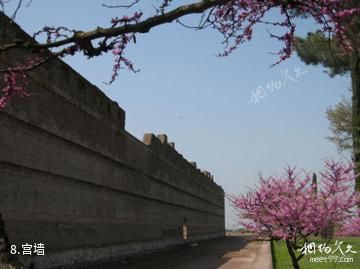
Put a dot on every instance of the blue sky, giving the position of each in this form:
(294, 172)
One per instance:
(202, 101)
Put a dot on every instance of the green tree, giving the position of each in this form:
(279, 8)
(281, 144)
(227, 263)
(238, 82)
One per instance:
(317, 49)
(340, 118)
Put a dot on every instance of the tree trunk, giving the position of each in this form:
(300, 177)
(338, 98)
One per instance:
(355, 83)
(292, 255)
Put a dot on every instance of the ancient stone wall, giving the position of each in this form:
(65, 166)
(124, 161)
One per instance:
(73, 179)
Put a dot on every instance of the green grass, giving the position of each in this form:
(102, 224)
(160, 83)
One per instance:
(281, 258)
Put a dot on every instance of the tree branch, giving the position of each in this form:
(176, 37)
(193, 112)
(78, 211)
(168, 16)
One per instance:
(141, 27)
(124, 6)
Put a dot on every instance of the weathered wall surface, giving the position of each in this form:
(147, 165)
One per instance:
(72, 178)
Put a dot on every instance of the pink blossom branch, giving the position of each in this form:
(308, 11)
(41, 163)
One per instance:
(233, 19)
(16, 78)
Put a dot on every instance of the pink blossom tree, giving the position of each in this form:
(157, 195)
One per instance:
(292, 207)
(233, 19)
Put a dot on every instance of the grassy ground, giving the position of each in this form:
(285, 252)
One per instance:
(281, 258)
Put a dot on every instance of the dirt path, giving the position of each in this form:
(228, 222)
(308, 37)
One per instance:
(232, 252)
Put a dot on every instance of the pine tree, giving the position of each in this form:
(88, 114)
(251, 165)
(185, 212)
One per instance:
(317, 49)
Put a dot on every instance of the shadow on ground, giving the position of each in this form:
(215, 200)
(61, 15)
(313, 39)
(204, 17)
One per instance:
(207, 255)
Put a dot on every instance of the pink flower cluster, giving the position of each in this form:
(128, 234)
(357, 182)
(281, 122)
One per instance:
(126, 19)
(15, 85)
(118, 51)
(53, 33)
(291, 206)
(236, 19)
(350, 227)
(16, 80)
(121, 43)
